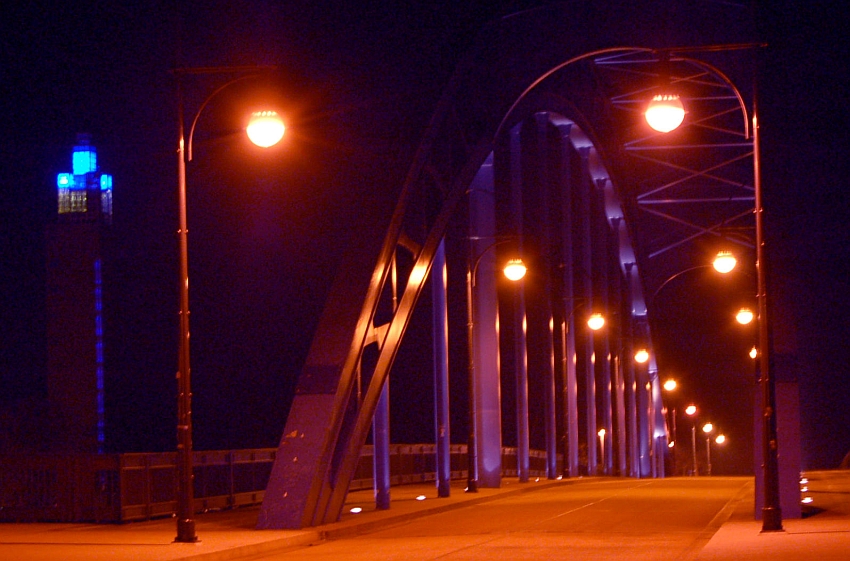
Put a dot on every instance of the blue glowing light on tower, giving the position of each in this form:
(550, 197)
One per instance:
(85, 191)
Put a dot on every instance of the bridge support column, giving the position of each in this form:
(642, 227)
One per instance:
(440, 331)
(488, 406)
(520, 348)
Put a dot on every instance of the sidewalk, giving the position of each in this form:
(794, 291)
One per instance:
(823, 534)
(227, 535)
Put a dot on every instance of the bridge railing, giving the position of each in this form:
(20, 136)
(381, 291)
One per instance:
(141, 486)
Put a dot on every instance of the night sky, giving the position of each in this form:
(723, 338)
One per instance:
(358, 83)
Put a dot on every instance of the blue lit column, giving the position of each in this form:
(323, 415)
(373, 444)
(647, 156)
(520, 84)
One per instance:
(538, 225)
(439, 283)
(568, 304)
(487, 393)
(602, 243)
(585, 262)
(629, 380)
(523, 460)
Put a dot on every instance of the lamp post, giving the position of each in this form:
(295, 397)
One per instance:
(514, 271)
(707, 429)
(690, 411)
(670, 386)
(261, 127)
(601, 434)
(771, 511)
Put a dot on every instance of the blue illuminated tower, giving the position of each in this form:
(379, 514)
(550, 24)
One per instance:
(75, 296)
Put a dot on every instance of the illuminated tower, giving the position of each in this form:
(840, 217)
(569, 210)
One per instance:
(75, 245)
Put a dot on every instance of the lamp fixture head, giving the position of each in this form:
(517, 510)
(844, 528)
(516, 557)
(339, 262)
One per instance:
(724, 262)
(265, 128)
(745, 316)
(515, 270)
(596, 321)
(665, 112)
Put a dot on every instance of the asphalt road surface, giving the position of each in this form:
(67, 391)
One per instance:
(584, 520)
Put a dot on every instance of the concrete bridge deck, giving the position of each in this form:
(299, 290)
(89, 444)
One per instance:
(704, 519)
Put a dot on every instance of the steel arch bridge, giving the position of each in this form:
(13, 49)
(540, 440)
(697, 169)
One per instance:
(537, 147)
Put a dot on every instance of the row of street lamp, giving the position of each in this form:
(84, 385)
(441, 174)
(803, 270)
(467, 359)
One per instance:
(665, 113)
(707, 429)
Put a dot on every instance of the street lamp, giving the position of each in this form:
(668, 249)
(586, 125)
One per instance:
(707, 428)
(690, 411)
(260, 125)
(641, 356)
(601, 434)
(514, 271)
(670, 386)
(771, 511)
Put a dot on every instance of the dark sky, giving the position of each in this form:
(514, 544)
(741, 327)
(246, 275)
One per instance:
(266, 231)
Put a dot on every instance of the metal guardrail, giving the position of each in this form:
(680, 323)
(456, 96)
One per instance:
(127, 487)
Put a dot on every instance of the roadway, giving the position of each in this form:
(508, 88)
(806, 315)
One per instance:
(596, 519)
(691, 519)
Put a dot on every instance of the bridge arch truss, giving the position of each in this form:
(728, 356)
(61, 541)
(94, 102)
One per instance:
(537, 147)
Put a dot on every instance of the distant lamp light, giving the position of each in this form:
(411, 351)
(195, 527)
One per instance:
(671, 444)
(265, 128)
(745, 316)
(707, 428)
(596, 321)
(670, 385)
(641, 356)
(754, 353)
(721, 438)
(515, 270)
(691, 410)
(665, 112)
(724, 262)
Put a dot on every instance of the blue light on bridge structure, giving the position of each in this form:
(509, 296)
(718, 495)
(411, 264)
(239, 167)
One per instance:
(84, 159)
(78, 190)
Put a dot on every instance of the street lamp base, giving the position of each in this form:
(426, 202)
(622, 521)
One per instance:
(186, 531)
(771, 518)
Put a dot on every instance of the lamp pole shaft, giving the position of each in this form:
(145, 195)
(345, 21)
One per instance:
(708, 456)
(694, 447)
(771, 511)
(471, 453)
(185, 491)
